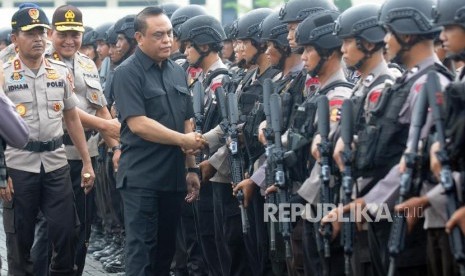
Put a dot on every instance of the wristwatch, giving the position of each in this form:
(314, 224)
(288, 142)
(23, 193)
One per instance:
(194, 170)
(115, 148)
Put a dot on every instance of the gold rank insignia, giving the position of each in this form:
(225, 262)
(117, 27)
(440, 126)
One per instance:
(69, 15)
(70, 80)
(94, 96)
(21, 109)
(34, 14)
(86, 66)
(56, 56)
(16, 76)
(56, 107)
(17, 65)
(52, 74)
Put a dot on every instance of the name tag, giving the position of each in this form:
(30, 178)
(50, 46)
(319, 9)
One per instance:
(55, 84)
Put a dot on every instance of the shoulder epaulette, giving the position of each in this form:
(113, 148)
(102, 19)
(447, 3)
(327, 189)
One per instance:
(82, 55)
(57, 62)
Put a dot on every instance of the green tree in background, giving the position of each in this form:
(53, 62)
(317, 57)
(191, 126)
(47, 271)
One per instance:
(343, 4)
(267, 3)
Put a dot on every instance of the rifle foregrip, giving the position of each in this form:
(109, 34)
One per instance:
(221, 99)
(323, 116)
(276, 113)
(268, 87)
(347, 123)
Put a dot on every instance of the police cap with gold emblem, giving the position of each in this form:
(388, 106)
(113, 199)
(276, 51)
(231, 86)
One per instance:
(67, 18)
(29, 18)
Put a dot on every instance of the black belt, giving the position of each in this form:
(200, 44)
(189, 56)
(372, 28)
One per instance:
(39, 146)
(67, 139)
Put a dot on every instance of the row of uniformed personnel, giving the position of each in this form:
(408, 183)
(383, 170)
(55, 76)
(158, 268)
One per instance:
(315, 35)
(154, 107)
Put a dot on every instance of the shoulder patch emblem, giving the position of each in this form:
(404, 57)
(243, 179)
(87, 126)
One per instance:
(215, 85)
(335, 114)
(374, 96)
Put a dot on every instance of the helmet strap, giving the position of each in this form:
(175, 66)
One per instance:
(201, 57)
(366, 53)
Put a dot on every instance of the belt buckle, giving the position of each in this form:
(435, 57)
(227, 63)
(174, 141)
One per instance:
(44, 146)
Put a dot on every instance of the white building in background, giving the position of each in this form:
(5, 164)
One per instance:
(96, 12)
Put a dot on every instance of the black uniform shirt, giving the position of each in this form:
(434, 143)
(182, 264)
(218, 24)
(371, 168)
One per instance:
(142, 88)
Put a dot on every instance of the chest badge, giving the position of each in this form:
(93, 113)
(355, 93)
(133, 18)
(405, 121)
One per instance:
(21, 109)
(17, 77)
(94, 96)
(57, 107)
(52, 74)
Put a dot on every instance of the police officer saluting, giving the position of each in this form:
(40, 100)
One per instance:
(41, 90)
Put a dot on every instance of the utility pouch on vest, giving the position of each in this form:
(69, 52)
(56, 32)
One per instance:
(253, 146)
(366, 147)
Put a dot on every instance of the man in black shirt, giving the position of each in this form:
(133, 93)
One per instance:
(155, 108)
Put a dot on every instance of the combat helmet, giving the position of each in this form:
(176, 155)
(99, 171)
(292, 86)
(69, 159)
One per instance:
(298, 10)
(317, 31)
(182, 14)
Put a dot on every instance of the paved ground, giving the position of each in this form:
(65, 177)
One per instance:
(93, 268)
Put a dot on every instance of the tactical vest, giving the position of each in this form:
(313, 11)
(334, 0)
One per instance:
(252, 92)
(382, 142)
(302, 131)
(252, 113)
(454, 99)
(2, 163)
(304, 118)
(359, 102)
(290, 90)
(212, 113)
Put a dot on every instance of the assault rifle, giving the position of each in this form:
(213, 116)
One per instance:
(278, 160)
(235, 157)
(268, 89)
(347, 132)
(324, 148)
(433, 88)
(396, 243)
(198, 100)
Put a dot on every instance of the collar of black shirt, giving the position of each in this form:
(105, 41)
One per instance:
(147, 62)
